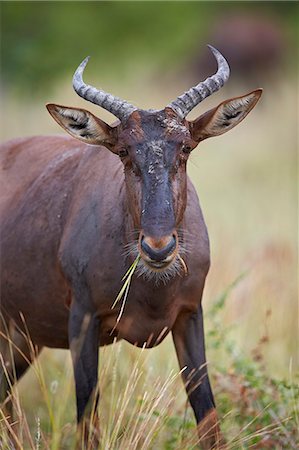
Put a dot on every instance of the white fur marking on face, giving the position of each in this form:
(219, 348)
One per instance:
(151, 168)
(173, 125)
(156, 147)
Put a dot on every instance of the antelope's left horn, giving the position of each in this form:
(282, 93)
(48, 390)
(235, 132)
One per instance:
(186, 102)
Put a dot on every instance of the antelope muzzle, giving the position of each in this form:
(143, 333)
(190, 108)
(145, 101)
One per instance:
(158, 253)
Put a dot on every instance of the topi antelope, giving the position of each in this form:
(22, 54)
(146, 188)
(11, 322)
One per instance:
(77, 211)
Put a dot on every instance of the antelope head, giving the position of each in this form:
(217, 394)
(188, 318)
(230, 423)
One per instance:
(154, 147)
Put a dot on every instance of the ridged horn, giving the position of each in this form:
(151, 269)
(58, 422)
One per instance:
(120, 108)
(186, 102)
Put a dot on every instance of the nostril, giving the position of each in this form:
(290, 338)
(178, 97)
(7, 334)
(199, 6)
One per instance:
(155, 250)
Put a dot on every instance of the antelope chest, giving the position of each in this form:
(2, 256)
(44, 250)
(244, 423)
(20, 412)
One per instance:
(140, 324)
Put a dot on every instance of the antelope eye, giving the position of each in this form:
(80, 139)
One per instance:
(186, 148)
(123, 153)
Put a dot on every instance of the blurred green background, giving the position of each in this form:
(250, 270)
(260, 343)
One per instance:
(43, 41)
(149, 53)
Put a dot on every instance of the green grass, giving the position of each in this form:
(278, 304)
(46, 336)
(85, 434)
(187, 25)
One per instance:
(143, 404)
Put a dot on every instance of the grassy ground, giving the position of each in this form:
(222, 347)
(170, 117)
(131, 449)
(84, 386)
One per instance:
(143, 405)
(247, 185)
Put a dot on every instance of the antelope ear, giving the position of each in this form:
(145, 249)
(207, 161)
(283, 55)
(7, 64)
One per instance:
(83, 125)
(224, 117)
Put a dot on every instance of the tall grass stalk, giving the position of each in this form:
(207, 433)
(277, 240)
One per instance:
(143, 404)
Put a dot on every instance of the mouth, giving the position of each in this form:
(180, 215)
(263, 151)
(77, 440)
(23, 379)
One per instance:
(159, 271)
(162, 271)
(158, 265)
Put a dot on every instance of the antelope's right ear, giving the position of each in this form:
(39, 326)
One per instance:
(83, 125)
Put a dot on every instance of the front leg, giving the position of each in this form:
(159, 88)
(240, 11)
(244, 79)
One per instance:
(84, 341)
(188, 336)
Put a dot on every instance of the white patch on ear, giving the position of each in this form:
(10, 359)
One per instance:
(76, 121)
(230, 113)
(80, 124)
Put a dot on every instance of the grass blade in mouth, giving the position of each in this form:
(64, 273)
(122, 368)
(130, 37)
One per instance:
(184, 265)
(125, 289)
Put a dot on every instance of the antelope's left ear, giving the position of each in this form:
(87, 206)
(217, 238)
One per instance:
(224, 117)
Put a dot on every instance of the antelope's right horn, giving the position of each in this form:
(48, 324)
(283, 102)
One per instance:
(120, 108)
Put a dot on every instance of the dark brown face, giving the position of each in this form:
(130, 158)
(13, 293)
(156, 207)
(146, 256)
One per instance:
(154, 148)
